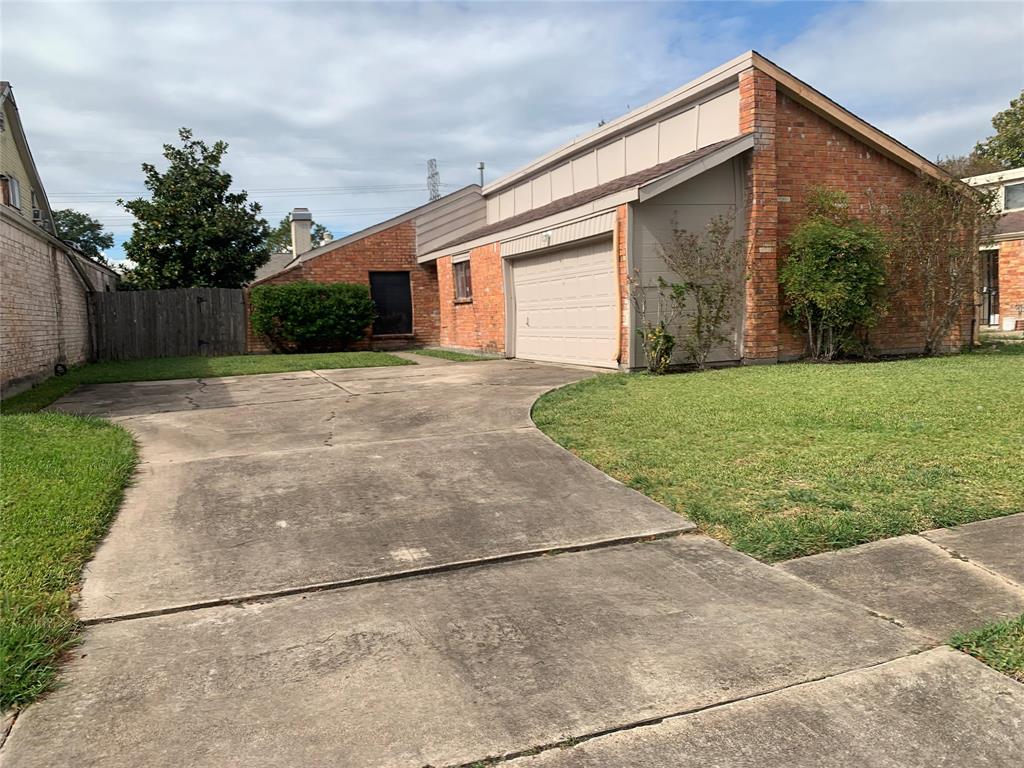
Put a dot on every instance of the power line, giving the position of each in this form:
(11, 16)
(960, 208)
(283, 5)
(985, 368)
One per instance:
(433, 181)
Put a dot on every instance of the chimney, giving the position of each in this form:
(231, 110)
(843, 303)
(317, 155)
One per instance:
(302, 223)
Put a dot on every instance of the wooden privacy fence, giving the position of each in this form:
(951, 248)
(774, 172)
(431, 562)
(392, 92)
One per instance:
(171, 323)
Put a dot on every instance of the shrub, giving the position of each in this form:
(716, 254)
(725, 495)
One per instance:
(305, 316)
(834, 277)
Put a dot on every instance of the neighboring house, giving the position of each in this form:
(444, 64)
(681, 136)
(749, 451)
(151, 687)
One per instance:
(44, 283)
(384, 257)
(545, 278)
(1002, 267)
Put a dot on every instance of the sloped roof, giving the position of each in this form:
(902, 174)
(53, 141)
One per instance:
(1010, 223)
(585, 196)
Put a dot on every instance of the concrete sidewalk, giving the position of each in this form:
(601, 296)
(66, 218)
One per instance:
(938, 583)
(393, 567)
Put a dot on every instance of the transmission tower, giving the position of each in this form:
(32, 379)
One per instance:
(433, 180)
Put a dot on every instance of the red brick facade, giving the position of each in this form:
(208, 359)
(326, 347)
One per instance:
(390, 250)
(479, 323)
(1011, 279)
(797, 150)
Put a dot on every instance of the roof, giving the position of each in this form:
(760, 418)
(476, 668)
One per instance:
(1010, 224)
(371, 230)
(277, 262)
(1010, 174)
(594, 193)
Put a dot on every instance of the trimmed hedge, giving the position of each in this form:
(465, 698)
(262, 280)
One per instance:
(311, 317)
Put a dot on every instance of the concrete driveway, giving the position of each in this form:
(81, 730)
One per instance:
(393, 567)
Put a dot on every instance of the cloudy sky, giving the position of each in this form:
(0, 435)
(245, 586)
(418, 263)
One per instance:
(337, 106)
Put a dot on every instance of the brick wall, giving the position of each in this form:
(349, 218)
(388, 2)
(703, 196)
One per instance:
(43, 309)
(478, 324)
(1011, 280)
(621, 245)
(761, 290)
(797, 150)
(393, 249)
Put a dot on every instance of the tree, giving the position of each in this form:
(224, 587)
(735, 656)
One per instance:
(962, 166)
(84, 232)
(280, 238)
(937, 228)
(193, 231)
(1006, 147)
(708, 266)
(834, 276)
(657, 341)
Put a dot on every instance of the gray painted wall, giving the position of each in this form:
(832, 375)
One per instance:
(691, 205)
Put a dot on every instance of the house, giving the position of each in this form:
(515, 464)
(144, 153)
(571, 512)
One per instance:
(1002, 267)
(45, 284)
(537, 264)
(384, 257)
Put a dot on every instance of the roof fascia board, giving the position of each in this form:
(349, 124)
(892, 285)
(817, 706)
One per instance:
(687, 172)
(706, 83)
(842, 117)
(585, 211)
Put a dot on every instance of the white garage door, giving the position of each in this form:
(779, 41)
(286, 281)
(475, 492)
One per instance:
(565, 306)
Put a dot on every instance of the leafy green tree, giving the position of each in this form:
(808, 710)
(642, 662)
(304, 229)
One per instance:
(193, 231)
(1006, 147)
(834, 276)
(84, 232)
(962, 166)
(280, 239)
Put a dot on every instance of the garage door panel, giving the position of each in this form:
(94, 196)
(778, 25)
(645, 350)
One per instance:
(565, 306)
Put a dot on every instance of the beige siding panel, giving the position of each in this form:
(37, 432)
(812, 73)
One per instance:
(542, 190)
(506, 205)
(584, 172)
(611, 161)
(523, 197)
(577, 230)
(449, 219)
(642, 149)
(565, 306)
(677, 135)
(690, 206)
(561, 181)
(719, 119)
(492, 209)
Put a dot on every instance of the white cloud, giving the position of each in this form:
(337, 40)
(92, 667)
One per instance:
(315, 95)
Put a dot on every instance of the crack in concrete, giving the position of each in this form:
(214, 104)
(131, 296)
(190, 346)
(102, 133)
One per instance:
(430, 570)
(965, 559)
(571, 741)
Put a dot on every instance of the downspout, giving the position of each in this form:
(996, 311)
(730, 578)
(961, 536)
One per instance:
(618, 289)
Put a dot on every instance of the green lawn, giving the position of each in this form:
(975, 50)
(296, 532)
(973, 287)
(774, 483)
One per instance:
(62, 480)
(159, 368)
(445, 354)
(1000, 645)
(789, 460)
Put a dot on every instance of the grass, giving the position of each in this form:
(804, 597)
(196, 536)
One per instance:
(445, 354)
(62, 480)
(1000, 645)
(791, 460)
(161, 368)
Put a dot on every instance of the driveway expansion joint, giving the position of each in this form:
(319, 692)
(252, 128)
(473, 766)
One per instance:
(240, 601)
(568, 742)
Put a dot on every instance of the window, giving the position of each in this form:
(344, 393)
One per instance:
(12, 192)
(463, 282)
(1013, 196)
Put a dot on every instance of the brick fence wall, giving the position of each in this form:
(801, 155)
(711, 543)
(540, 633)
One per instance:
(392, 249)
(44, 317)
